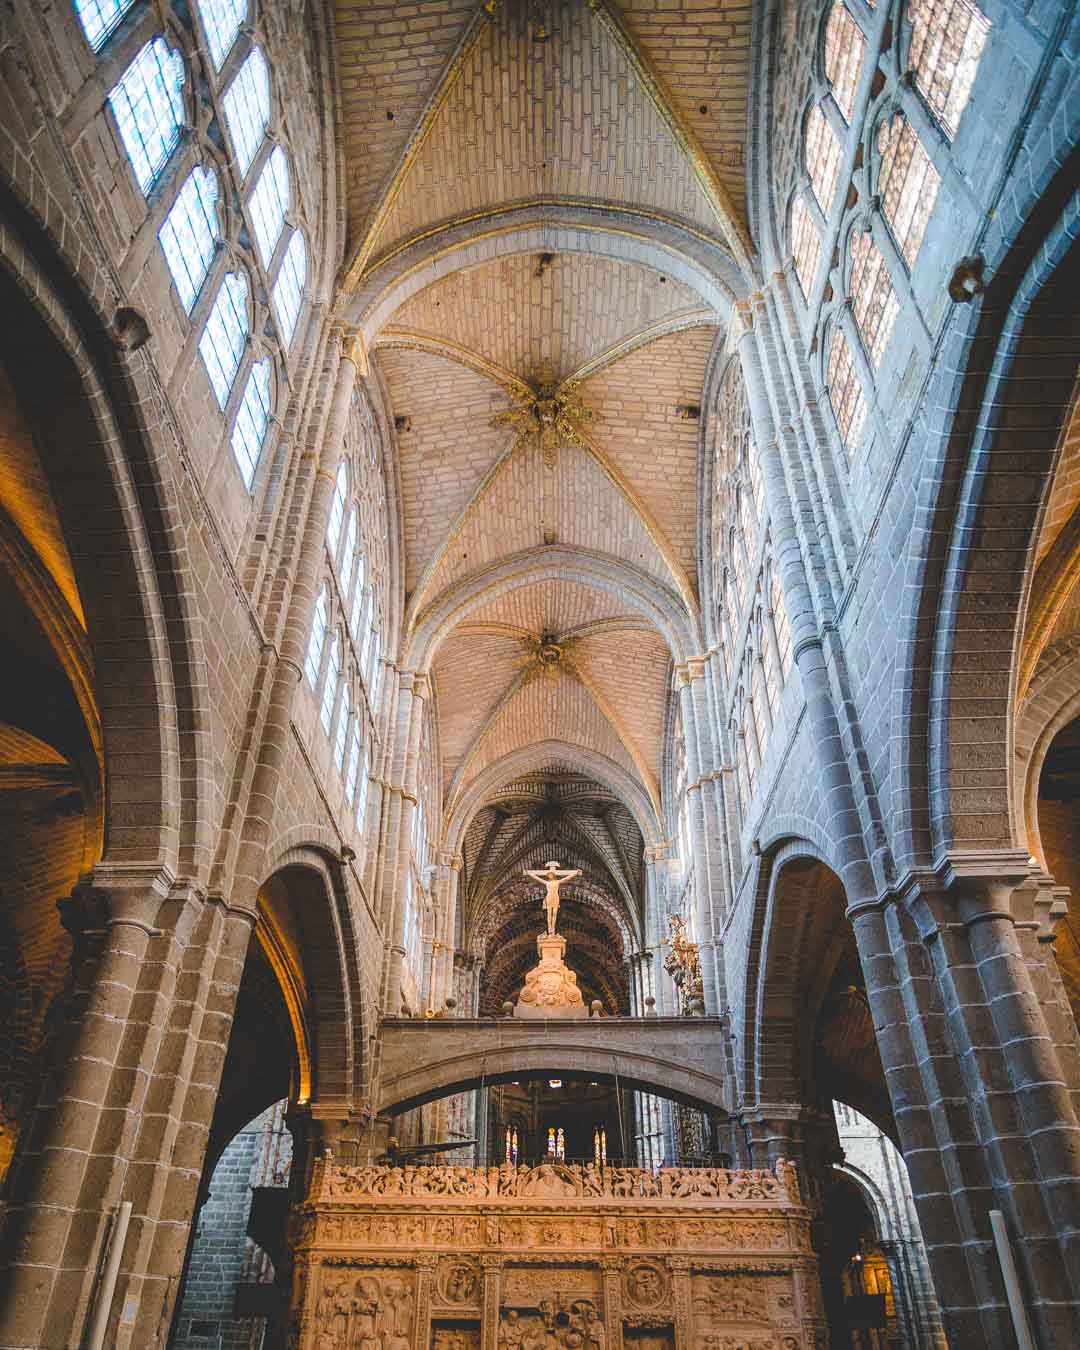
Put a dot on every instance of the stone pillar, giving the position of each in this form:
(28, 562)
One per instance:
(492, 1294)
(425, 1278)
(611, 1268)
(126, 1111)
(1016, 1083)
(681, 1302)
(657, 861)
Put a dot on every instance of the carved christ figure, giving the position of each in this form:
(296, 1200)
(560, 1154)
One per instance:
(553, 878)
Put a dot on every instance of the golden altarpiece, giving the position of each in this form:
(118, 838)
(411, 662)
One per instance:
(554, 1257)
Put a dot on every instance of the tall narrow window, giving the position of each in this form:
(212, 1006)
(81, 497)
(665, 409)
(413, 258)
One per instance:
(342, 734)
(947, 41)
(100, 19)
(845, 390)
(873, 299)
(333, 675)
(348, 553)
(319, 624)
(337, 509)
(845, 46)
(357, 611)
(768, 666)
(780, 624)
(805, 244)
(268, 203)
(361, 795)
(354, 763)
(190, 233)
(222, 343)
(149, 109)
(246, 104)
(221, 20)
(908, 184)
(289, 286)
(822, 157)
(373, 673)
(249, 431)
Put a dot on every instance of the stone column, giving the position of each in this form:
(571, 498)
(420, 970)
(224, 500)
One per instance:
(611, 1268)
(126, 1111)
(657, 861)
(425, 1277)
(492, 1294)
(681, 1302)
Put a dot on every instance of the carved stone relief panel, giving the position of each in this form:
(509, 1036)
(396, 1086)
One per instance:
(646, 1287)
(459, 1283)
(455, 1335)
(365, 1308)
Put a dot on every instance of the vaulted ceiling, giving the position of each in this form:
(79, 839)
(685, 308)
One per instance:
(546, 205)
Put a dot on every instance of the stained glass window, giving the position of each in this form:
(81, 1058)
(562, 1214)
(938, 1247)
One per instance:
(356, 613)
(289, 286)
(190, 233)
(252, 417)
(947, 41)
(805, 244)
(246, 104)
(149, 109)
(337, 509)
(223, 338)
(319, 624)
(268, 203)
(342, 733)
(333, 675)
(845, 46)
(873, 298)
(908, 184)
(221, 20)
(101, 18)
(822, 157)
(845, 390)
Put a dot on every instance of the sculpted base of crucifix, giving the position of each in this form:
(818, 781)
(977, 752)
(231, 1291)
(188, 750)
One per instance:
(553, 878)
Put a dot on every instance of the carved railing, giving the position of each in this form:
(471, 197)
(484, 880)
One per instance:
(335, 1183)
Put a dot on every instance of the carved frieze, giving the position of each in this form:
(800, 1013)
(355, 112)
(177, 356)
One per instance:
(554, 1257)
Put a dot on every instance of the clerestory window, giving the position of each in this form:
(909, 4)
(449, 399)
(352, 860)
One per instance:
(873, 299)
(100, 19)
(330, 688)
(289, 286)
(190, 234)
(268, 203)
(149, 109)
(845, 47)
(246, 104)
(252, 419)
(221, 20)
(822, 157)
(845, 390)
(805, 244)
(337, 509)
(225, 335)
(947, 41)
(320, 622)
(908, 184)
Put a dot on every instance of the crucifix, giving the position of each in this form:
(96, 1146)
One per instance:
(553, 878)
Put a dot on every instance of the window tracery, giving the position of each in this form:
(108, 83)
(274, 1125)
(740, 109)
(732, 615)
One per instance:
(845, 47)
(330, 683)
(319, 625)
(908, 184)
(149, 109)
(947, 41)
